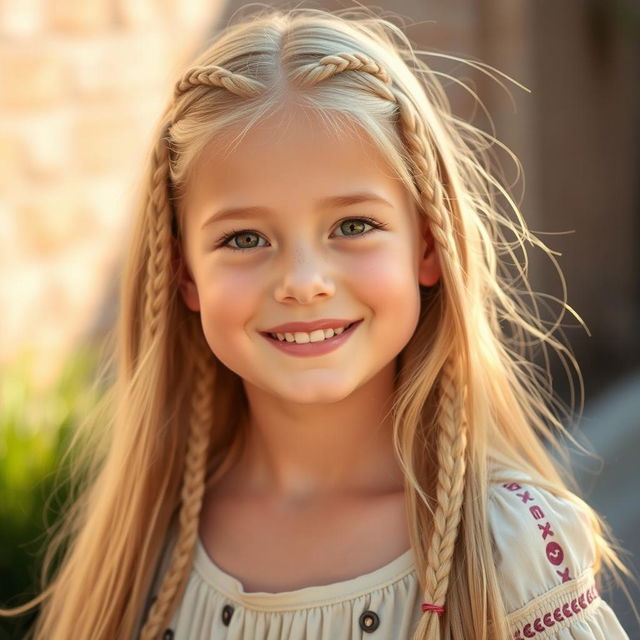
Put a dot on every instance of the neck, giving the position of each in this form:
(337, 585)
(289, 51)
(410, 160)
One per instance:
(306, 451)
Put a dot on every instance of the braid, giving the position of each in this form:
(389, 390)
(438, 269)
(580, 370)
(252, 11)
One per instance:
(416, 136)
(158, 217)
(213, 76)
(449, 492)
(328, 66)
(192, 488)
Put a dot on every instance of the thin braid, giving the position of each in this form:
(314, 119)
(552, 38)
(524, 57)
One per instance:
(452, 442)
(192, 489)
(416, 138)
(328, 66)
(159, 231)
(214, 76)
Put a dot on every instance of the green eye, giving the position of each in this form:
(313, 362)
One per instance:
(354, 226)
(244, 238)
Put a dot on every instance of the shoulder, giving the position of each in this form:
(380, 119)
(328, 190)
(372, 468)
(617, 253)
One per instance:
(545, 552)
(540, 539)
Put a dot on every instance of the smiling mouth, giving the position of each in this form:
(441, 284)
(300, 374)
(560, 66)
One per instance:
(304, 339)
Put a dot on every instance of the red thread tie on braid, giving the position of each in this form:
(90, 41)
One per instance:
(436, 608)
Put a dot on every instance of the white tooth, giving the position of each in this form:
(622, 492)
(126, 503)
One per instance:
(316, 336)
(301, 337)
(290, 337)
(339, 331)
(328, 333)
(280, 336)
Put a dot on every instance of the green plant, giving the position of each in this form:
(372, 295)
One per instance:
(35, 429)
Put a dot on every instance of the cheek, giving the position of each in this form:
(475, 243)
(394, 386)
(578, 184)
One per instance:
(386, 275)
(228, 303)
(387, 283)
(228, 299)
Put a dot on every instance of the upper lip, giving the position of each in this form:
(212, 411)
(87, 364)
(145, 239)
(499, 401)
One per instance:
(308, 327)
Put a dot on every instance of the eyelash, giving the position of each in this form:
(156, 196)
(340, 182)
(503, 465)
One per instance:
(222, 242)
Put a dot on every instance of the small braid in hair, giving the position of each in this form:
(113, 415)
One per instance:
(193, 485)
(452, 443)
(158, 218)
(315, 72)
(214, 76)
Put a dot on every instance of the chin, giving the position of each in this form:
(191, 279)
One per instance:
(313, 392)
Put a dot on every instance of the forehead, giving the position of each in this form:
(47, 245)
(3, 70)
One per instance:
(297, 156)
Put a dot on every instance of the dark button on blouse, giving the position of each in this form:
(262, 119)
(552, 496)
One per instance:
(227, 612)
(369, 621)
(168, 634)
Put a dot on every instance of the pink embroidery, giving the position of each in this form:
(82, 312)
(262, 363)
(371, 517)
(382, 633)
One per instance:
(549, 618)
(553, 550)
(513, 486)
(546, 618)
(536, 512)
(555, 554)
(525, 497)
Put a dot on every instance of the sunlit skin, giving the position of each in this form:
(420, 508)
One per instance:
(316, 425)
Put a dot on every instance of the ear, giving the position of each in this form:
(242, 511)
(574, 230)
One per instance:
(429, 269)
(186, 283)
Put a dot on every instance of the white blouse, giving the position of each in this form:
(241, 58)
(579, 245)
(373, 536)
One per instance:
(544, 552)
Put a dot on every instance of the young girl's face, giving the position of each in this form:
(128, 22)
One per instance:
(297, 254)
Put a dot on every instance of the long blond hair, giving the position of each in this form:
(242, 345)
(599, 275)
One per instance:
(467, 400)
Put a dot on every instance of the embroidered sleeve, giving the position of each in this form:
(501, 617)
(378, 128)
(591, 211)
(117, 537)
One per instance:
(544, 551)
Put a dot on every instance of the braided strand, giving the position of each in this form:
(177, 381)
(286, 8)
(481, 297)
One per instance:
(311, 74)
(214, 76)
(416, 136)
(192, 489)
(452, 443)
(159, 263)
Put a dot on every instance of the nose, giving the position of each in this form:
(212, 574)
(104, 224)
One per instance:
(304, 277)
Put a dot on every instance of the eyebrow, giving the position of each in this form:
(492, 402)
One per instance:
(326, 203)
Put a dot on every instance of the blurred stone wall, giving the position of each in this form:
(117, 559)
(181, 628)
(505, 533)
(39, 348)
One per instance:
(82, 83)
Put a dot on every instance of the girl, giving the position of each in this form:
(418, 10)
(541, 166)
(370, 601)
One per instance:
(323, 429)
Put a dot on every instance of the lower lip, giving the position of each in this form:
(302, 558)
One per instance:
(314, 348)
